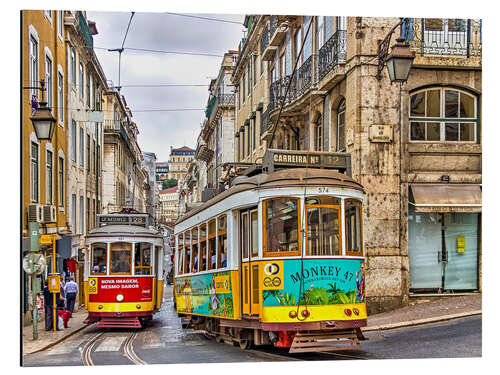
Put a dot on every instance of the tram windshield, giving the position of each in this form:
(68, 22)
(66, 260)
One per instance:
(354, 229)
(143, 259)
(99, 258)
(121, 257)
(282, 226)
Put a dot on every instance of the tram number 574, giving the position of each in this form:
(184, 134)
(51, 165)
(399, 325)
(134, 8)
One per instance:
(323, 190)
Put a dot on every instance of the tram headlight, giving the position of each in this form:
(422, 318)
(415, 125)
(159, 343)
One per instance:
(138, 306)
(99, 307)
(119, 297)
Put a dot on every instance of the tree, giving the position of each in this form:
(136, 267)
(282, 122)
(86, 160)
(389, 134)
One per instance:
(168, 183)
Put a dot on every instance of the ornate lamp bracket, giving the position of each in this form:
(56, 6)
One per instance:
(383, 48)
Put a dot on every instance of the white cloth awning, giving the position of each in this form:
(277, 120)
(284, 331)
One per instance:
(446, 198)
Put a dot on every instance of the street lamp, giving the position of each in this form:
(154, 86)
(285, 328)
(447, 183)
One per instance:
(42, 119)
(399, 61)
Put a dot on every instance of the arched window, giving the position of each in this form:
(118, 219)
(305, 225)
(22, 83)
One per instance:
(442, 114)
(341, 126)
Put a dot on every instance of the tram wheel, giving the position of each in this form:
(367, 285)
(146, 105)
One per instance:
(245, 344)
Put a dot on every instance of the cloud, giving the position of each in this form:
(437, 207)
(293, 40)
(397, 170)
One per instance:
(160, 31)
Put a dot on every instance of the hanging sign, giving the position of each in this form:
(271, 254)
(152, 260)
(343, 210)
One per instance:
(460, 244)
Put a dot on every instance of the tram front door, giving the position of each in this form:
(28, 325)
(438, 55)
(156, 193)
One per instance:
(249, 250)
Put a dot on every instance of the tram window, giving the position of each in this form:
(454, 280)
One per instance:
(353, 230)
(195, 261)
(323, 199)
(244, 234)
(222, 235)
(180, 256)
(142, 260)
(99, 258)
(187, 252)
(323, 230)
(120, 258)
(211, 245)
(281, 236)
(254, 236)
(203, 247)
(180, 269)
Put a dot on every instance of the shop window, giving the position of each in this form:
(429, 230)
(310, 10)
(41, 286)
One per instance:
(281, 227)
(143, 259)
(121, 258)
(443, 115)
(99, 259)
(353, 227)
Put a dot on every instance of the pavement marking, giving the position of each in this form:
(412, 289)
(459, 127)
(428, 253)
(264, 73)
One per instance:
(111, 344)
(151, 340)
(66, 347)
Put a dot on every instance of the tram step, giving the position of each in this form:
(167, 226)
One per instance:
(322, 341)
(119, 323)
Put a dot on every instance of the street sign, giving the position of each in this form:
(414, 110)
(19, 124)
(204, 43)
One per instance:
(46, 239)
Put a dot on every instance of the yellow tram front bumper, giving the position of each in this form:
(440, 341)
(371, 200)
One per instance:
(280, 314)
(120, 306)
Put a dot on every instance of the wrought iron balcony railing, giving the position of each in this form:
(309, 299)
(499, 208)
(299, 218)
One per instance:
(273, 25)
(444, 36)
(332, 53)
(264, 39)
(264, 120)
(112, 124)
(277, 92)
(84, 28)
(226, 99)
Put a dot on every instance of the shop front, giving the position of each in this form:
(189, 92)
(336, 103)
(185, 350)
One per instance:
(444, 238)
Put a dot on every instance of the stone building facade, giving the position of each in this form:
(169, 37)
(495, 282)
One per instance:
(178, 161)
(314, 83)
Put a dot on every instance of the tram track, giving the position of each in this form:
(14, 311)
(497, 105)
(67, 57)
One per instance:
(128, 349)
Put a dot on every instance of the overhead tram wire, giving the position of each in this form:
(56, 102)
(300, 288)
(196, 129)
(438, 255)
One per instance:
(161, 51)
(203, 18)
(120, 50)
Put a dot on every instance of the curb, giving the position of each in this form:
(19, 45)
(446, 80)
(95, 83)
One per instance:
(420, 321)
(58, 340)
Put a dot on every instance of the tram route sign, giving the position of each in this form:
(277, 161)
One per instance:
(122, 219)
(276, 159)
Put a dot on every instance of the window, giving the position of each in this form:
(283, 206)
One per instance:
(73, 212)
(48, 15)
(81, 215)
(88, 214)
(143, 263)
(48, 82)
(120, 262)
(195, 262)
(297, 42)
(443, 115)
(203, 246)
(353, 227)
(60, 98)
(318, 135)
(33, 65)
(49, 177)
(281, 227)
(323, 226)
(82, 151)
(61, 182)
(88, 89)
(34, 172)
(341, 126)
(243, 91)
(211, 244)
(222, 239)
(320, 31)
(60, 23)
(73, 140)
(81, 81)
(99, 259)
(308, 40)
(249, 76)
(187, 251)
(254, 63)
(73, 67)
(254, 233)
(88, 152)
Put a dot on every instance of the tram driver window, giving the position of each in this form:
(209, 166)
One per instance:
(120, 258)
(99, 258)
(142, 261)
(281, 236)
(353, 230)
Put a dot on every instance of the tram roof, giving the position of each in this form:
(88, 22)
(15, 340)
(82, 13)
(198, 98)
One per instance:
(281, 178)
(123, 230)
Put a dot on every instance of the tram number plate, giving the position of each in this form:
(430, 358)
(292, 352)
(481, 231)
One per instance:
(92, 289)
(323, 190)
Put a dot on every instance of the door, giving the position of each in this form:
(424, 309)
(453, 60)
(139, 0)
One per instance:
(445, 36)
(443, 249)
(249, 250)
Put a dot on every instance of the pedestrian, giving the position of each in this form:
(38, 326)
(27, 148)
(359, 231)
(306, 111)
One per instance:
(48, 299)
(70, 291)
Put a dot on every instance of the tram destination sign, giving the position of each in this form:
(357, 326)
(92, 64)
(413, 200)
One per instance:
(122, 219)
(275, 159)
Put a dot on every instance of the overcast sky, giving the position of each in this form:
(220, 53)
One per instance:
(165, 32)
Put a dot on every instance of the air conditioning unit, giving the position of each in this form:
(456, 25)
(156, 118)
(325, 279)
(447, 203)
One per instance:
(49, 214)
(35, 213)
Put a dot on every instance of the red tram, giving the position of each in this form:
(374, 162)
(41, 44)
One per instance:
(123, 274)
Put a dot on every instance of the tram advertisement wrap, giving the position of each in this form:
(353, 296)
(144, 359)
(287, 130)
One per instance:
(322, 282)
(207, 294)
(133, 289)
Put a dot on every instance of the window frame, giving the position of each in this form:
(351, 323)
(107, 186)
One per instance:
(341, 110)
(61, 186)
(442, 119)
(92, 258)
(82, 81)
(339, 209)
(49, 177)
(33, 51)
(34, 164)
(60, 97)
(73, 67)
(268, 254)
(355, 253)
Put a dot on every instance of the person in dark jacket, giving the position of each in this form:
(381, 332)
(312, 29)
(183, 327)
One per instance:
(48, 299)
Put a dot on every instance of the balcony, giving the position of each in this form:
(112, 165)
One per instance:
(277, 92)
(84, 29)
(221, 101)
(443, 37)
(277, 31)
(265, 123)
(332, 53)
(112, 125)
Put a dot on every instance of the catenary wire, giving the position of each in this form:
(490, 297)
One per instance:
(204, 18)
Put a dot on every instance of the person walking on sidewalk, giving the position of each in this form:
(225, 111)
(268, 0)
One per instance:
(70, 291)
(48, 303)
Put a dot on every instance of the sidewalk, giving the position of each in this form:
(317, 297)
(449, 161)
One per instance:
(421, 312)
(426, 311)
(47, 339)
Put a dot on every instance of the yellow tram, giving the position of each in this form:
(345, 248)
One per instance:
(123, 274)
(278, 258)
